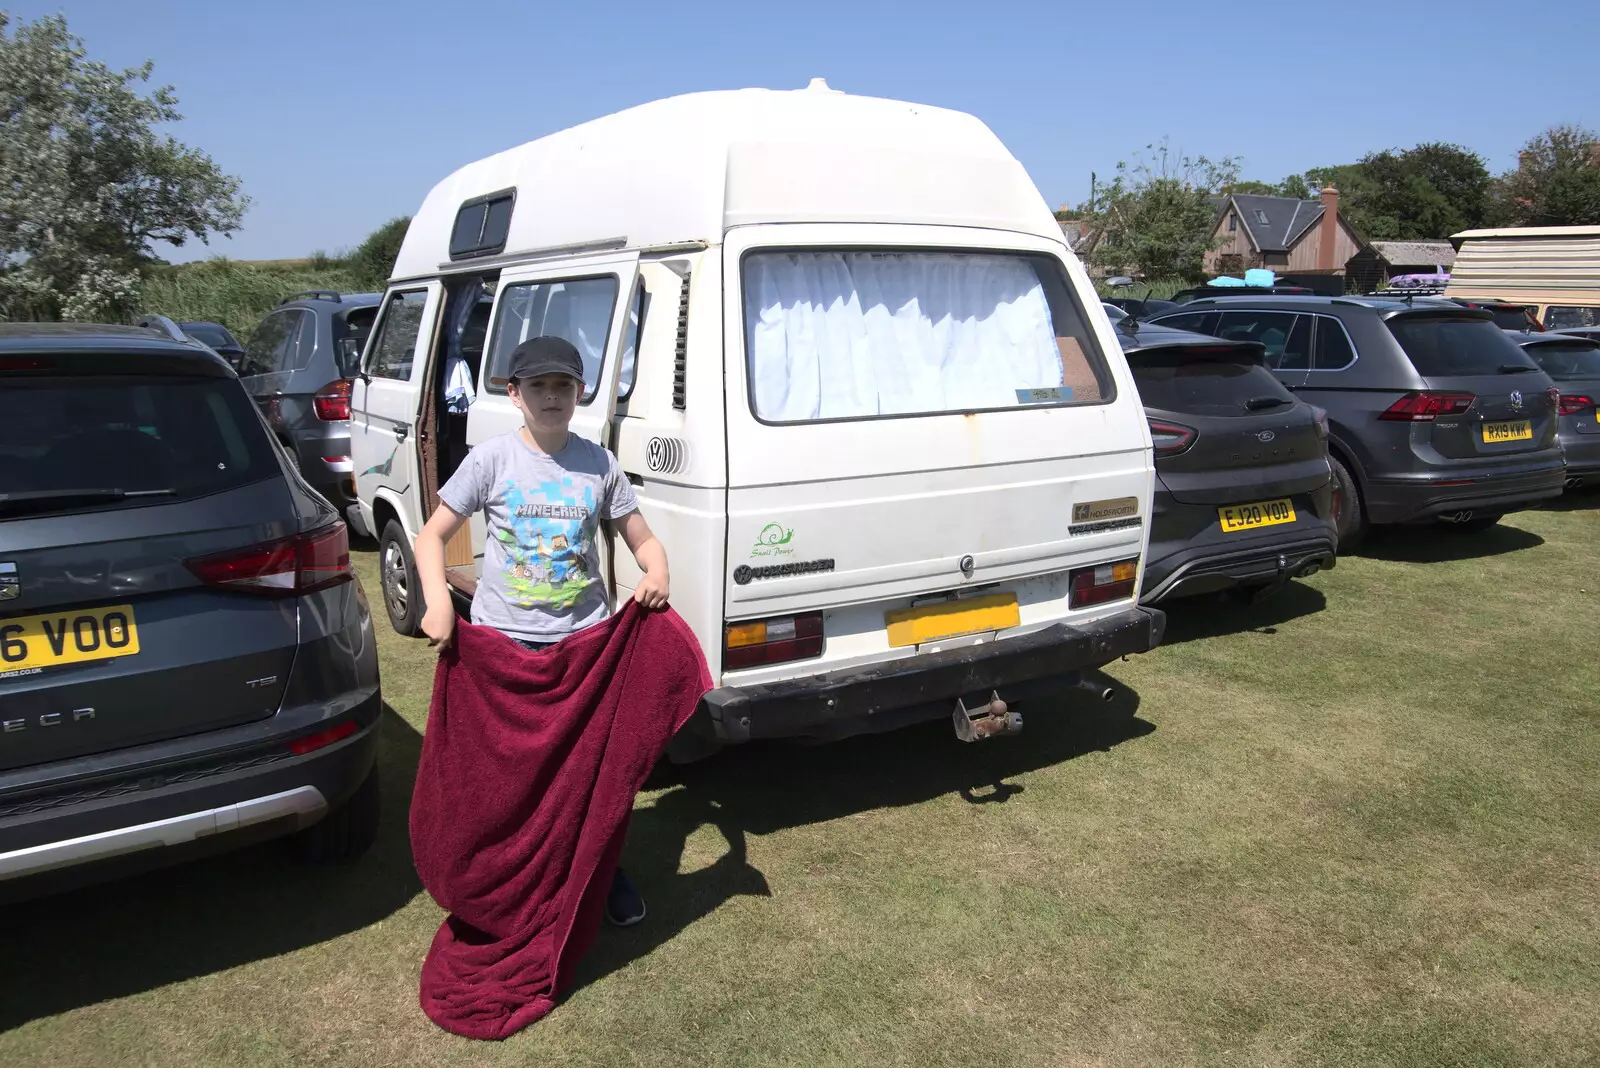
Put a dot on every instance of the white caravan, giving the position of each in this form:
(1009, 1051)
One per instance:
(867, 397)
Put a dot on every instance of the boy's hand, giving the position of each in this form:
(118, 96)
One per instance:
(652, 591)
(439, 624)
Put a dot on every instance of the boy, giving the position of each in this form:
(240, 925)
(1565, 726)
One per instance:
(543, 492)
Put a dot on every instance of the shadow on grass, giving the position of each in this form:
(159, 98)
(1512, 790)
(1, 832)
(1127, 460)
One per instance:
(1586, 499)
(135, 934)
(1193, 618)
(1442, 543)
(761, 788)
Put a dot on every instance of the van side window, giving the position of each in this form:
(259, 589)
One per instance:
(630, 341)
(578, 310)
(1287, 336)
(396, 347)
(1333, 347)
(482, 224)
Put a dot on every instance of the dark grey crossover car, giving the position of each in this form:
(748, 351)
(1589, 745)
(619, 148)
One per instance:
(1573, 364)
(1434, 412)
(298, 365)
(1243, 494)
(185, 660)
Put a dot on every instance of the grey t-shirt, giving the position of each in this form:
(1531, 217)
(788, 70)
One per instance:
(541, 562)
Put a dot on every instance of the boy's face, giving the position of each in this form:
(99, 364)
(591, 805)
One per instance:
(547, 401)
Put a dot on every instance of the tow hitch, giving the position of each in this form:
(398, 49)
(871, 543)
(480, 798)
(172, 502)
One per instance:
(988, 720)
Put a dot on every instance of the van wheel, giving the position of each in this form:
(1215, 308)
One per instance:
(344, 833)
(402, 592)
(1349, 517)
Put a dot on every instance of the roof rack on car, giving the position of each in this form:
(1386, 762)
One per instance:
(311, 294)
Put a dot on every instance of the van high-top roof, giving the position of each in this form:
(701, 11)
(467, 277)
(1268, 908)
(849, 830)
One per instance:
(683, 170)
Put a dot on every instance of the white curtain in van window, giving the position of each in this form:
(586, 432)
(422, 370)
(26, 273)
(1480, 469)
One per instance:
(839, 335)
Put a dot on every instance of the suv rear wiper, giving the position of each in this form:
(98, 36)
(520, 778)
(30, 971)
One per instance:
(1515, 368)
(74, 496)
(1255, 404)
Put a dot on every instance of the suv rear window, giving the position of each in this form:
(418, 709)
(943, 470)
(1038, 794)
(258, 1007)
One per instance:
(1448, 348)
(126, 441)
(1205, 381)
(1561, 360)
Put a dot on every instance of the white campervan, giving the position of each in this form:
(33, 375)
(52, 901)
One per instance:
(866, 395)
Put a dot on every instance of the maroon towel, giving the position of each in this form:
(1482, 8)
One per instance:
(529, 769)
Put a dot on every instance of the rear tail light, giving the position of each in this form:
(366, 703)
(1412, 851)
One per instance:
(332, 401)
(1425, 406)
(1573, 403)
(283, 568)
(772, 641)
(1319, 419)
(1170, 439)
(26, 363)
(312, 742)
(1104, 582)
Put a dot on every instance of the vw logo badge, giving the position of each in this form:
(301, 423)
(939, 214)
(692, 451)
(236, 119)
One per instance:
(1516, 399)
(1265, 435)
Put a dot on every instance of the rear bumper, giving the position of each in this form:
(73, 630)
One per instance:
(1419, 498)
(1583, 455)
(100, 826)
(324, 455)
(1213, 566)
(921, 687)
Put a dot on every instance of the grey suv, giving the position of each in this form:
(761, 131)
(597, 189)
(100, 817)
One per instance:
(1434, 412)
(298, 365)
(185, 660)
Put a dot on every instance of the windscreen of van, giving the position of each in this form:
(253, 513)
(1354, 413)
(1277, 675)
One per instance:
(1447, 348)
(1562, 317)
(833, 334)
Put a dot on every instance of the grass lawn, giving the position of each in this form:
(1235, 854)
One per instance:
(1357, 825)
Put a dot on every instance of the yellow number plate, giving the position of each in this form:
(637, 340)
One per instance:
(57, 638)
(1237, 517)
(930, 622)
(1521, 430)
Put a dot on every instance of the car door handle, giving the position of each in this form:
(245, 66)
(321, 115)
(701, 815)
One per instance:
(633, 478)
(400, 433)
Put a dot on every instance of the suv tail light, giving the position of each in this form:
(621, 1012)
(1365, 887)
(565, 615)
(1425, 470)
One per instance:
(1103, 582)
(310, 743)
(1573, 403)
(332, 401)
(1426, 405)
(1170, 439)
(283, 568)
(772, 641)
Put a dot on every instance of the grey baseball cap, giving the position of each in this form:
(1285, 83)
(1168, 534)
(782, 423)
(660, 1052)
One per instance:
(545, 356)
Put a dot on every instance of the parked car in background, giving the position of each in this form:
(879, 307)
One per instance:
(1592, 332)
(1243, 492)
(1142, 307)
(219, 338)
(1507, 315)
(1573, 363)
(185, 659)
(299, 366)
(1434, 412)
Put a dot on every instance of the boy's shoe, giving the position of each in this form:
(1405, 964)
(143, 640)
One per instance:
(624, 906)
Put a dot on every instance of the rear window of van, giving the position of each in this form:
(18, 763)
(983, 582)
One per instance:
(836, 334)
(1450, 348)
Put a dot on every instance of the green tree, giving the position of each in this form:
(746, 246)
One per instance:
(1432, 190)
(1155, 216)
(1292, 186)
(1556, 183)
(373, 259)
(87, 184)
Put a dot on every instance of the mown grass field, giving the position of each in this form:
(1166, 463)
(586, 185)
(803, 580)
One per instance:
(1359, 825)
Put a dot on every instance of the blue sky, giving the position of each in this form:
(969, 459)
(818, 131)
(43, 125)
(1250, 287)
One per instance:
(339, 115)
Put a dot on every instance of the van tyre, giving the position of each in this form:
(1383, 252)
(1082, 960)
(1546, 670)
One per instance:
(397, 569)
(347, 831)
(1350, 520)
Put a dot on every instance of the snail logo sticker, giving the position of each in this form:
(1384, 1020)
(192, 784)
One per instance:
(773, 541)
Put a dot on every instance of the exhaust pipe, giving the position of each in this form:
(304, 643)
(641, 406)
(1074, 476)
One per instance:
(1310, 569)
(1104, 693)
(1463, 516)
(1574, 481)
